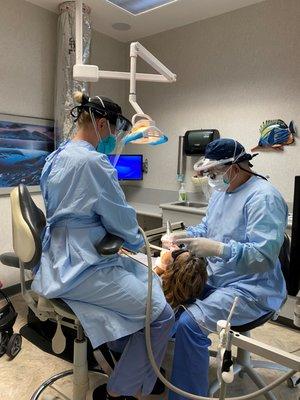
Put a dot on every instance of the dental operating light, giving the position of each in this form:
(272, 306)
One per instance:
(144, 129)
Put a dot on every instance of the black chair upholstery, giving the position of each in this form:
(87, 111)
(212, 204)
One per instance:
(109, 245)
(9, 259)
(60, 303)
(284, 257)
(254, 324)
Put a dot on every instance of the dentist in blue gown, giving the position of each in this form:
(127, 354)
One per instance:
(84, 201)
(241, 236)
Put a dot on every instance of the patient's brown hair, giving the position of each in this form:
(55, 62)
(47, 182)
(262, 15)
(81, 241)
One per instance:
(184, 279)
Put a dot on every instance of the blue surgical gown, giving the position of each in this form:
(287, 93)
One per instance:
(84, 201)
(251, 222)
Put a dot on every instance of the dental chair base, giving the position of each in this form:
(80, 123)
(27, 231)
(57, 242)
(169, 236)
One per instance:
(243, 364)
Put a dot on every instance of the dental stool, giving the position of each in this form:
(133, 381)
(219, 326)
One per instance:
(243, 364)
(28, 222)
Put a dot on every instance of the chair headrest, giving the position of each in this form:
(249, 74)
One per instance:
(28, 223)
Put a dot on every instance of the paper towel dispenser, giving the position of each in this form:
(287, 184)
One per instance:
(195, 141)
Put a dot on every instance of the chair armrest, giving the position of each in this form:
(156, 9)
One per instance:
(109, 245)
(9, 259)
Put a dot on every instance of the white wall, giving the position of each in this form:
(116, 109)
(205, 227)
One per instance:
(109, 54)
(27, 68)
(234, 71)
(27, 62)
(27, 73)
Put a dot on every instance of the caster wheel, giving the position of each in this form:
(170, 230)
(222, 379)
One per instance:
(14, 345)
(293, 382)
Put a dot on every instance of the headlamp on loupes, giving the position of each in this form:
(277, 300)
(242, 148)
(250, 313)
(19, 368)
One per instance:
(119, 126)
(222, 152)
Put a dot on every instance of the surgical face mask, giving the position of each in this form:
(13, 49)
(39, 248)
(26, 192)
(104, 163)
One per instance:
(220, 181)
(108, 144)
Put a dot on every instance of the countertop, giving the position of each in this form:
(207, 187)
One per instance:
(156, 211)
(150, 210)
(202, 211)
(190, 210)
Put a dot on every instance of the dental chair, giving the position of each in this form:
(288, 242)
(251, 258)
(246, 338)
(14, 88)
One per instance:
(243, 364)
(28, 222)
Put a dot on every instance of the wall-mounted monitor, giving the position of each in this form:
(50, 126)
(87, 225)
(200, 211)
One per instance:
(129, 167)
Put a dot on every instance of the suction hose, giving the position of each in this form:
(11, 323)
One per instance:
(152, 359)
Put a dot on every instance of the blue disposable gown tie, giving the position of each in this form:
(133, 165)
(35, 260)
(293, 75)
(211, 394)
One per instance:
(84, 201)
(251, 222)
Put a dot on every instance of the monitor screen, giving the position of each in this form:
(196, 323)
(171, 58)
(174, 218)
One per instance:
(129, 167)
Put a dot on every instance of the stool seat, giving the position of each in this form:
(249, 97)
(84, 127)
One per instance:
(62, 305)
(254, 324)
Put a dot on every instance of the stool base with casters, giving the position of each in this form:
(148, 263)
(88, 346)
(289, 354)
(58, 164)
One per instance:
(243, 364)
(84, 381)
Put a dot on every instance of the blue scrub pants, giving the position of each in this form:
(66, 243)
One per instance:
(191, 355)
(133, 373)
(191, 358)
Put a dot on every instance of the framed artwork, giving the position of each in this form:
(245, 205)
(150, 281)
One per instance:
(25, 143)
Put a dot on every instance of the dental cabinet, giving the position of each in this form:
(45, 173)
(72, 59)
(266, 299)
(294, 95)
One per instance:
(149, 216)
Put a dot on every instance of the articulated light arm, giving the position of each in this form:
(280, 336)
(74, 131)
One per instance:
(126, 76)
(145, 129)
(136, 49)
(91, 73)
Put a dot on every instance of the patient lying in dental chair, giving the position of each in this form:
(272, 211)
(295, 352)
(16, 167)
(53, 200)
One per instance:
(183, 275)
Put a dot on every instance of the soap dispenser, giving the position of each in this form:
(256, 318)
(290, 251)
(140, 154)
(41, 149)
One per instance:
(182, 195)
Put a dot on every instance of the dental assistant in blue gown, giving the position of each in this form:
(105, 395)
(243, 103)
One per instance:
(241, 236)
(84, 201)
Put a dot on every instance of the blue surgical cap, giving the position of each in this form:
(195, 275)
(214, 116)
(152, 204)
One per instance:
(221, 149)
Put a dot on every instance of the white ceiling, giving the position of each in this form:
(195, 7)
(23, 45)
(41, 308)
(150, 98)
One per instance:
(174, 15)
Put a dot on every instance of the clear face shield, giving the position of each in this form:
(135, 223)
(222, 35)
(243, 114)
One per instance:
(205, 164)
(113, 142)
(218, 171)
(120, 132)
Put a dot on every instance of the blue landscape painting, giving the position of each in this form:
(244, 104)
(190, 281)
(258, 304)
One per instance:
(23, 150)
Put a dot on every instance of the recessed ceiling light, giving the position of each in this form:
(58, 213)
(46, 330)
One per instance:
(137, 7)
(121, 26)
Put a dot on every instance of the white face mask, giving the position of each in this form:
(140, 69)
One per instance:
(219, 181)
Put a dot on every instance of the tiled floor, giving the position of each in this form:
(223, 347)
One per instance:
(20, 377)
